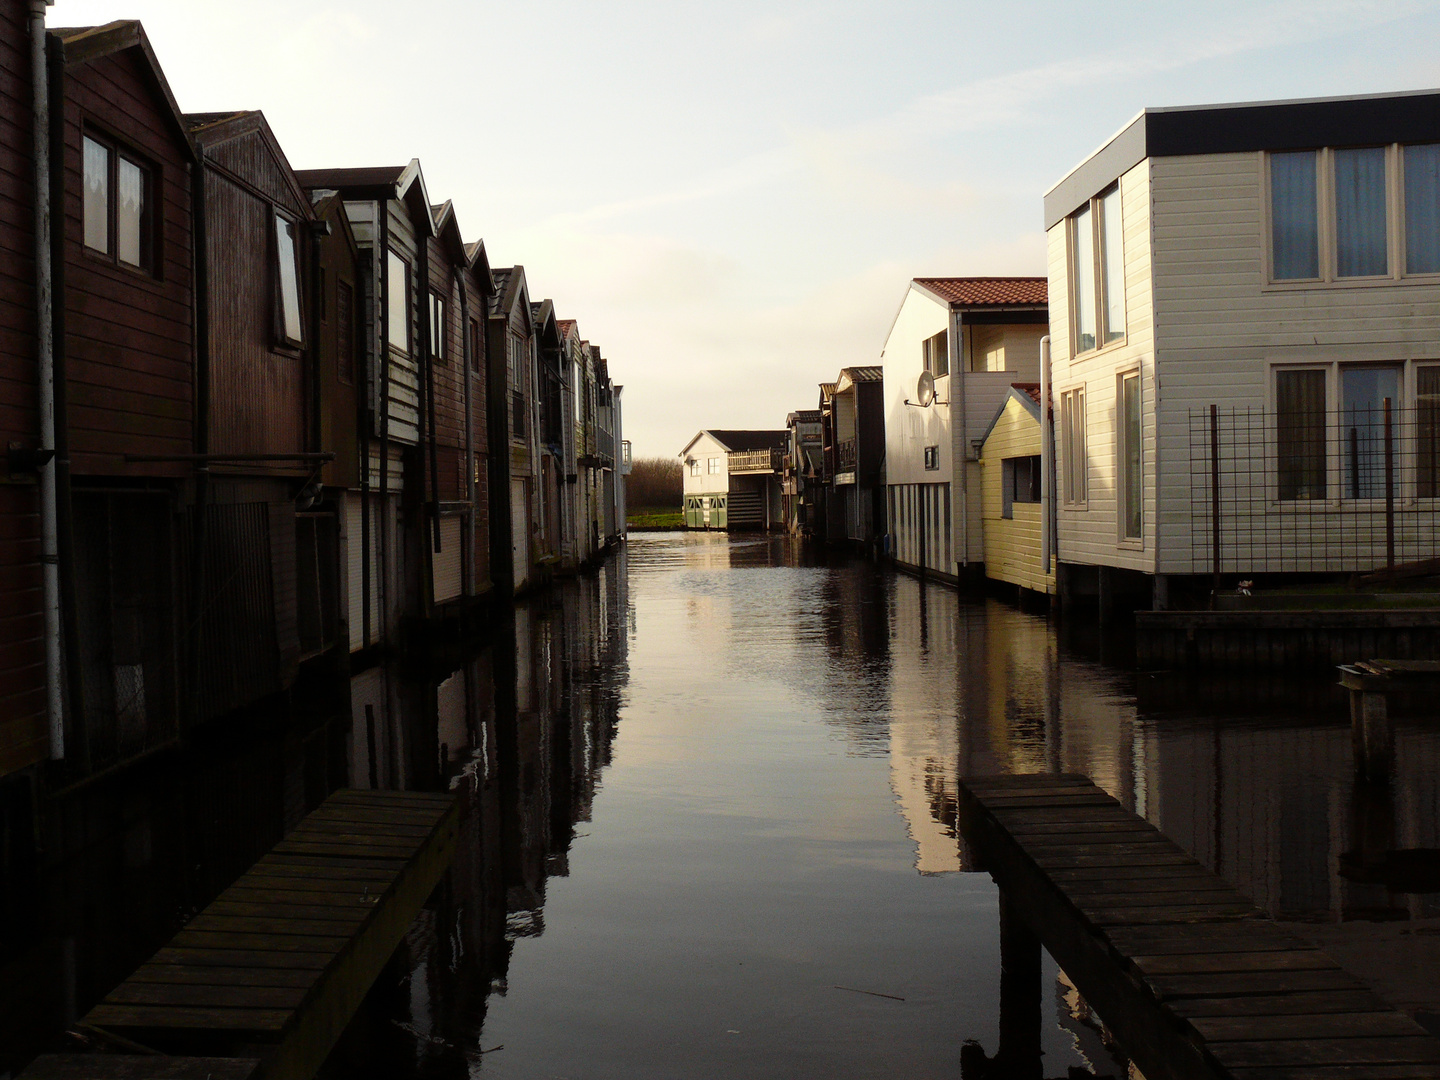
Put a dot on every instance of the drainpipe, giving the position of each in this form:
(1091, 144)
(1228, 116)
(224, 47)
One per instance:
(387, 519)
(45, 341)
(1047, 461)
(960, 438)
(466, 350)
(201, 240)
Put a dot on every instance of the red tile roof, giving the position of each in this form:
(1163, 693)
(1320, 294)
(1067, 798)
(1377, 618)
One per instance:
(1030, 389)
(987, 291)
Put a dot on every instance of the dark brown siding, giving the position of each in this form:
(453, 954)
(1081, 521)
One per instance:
(341, 364)
(23, 738)
(257, 392)
(128, 334)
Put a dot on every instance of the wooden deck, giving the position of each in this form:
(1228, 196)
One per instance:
(1194, 981)
(275, 968)
(139, 1067)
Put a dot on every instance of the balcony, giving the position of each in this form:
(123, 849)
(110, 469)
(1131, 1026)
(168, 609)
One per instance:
(771, 460)
(845, 455)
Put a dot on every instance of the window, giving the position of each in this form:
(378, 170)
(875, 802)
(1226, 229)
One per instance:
(1360, 239)
(1072, 437)
(437, 327)
(1097, 277)
(117, 205)
(1020, 482)
(1131, 483)
(932, 458)
(1300, 433)
(397, 306)
(1294, 218)
(1422, 209)
(1427, 416)
(1364, 390)
(475, 345)
(515, 365)
(937, 354)
(288, 326)
(694, 466)
(712, 465)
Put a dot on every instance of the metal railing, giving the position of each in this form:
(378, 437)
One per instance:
(771, 459)
(1342, 493)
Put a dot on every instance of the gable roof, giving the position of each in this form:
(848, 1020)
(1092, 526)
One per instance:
(736, 439)
(986, 292)
(403, 182)
(208, 130)
(447, 229)
(480, 265)
(511, 293)
(82, 44)
(1027, 394)
(1242, 127)
(850, 376)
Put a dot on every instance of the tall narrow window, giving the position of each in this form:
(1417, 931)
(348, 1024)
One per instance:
(1427, 410)
(437, 327)
(1300, 433)
(1294, 219)
(1360, 235)
(97, 196)
(287, 284)
(1083, 247)
(475, 345)
(132, 214)
(397, 305)
(1131, 484)
(1422, 209)
(1072, 426)
(1112, 264)
(1363, 393)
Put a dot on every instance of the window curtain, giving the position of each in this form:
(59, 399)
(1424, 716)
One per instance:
(1295, 238)
(1360, 213)
(1422, 209)
(1300, 430)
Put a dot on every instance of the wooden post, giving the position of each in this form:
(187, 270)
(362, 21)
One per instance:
(1389, 492)
(1020, 996)
(1372, 735)
(1215, 498)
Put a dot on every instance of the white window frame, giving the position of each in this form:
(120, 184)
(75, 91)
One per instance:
(1095, 205)
(1122, 448)
(1076, 488)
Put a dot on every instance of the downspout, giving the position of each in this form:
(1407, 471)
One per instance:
(960, 440)
(65, 507)
(432, 509)
(382, 270)
(201, 240)
(45, 342)
(466, 348)
(1047, 462)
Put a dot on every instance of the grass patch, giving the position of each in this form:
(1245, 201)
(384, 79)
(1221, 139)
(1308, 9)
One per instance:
(655, 517)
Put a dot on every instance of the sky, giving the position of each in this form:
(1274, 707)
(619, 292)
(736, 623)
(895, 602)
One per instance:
(730, 198)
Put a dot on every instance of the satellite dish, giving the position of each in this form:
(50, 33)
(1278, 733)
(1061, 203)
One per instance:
(925, 389)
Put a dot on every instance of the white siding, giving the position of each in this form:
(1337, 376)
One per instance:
(1092, 535)
(707, 483)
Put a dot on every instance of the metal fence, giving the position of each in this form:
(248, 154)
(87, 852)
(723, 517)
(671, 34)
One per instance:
(1346, 492)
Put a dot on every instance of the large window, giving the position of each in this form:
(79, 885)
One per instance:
(1300, 433)
(1131, 477)
(1072, 436)
(1097, 277)
(289, 328)
(1338, 214)
(1364, 390)
(937, 354)
(117, 205)
(398, 301)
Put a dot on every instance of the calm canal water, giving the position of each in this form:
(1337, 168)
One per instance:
(710, 828)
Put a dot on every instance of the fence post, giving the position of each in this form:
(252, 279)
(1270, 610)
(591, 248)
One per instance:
(1215, 497)
(1389, 492)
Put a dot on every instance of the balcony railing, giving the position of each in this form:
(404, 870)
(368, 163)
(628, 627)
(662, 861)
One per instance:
(845, 455)
(770, 460)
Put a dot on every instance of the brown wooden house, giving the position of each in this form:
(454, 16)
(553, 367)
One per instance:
(510, 348)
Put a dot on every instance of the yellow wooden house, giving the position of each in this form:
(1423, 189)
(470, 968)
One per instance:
(1010, 485)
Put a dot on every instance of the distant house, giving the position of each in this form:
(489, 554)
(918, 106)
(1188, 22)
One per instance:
(1010, 461)
(732, 479)
(1277, 260)
(804, 454)
(969, 339)
(511, 344)
(852, 417)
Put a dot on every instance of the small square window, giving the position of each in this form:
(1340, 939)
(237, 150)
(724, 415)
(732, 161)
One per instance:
(932, 458)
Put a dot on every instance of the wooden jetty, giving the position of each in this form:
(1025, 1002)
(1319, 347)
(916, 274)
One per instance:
(1370, 683)
(1192, 979)
(139, 1067)
(275, 968)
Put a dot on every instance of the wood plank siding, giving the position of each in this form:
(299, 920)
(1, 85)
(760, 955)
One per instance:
(1091, 533)
(23, 739)
(129, 334)
(1013, 543)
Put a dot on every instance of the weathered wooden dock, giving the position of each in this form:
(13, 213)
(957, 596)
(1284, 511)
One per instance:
(1193, 980)
(275, 968)
(1277, 639)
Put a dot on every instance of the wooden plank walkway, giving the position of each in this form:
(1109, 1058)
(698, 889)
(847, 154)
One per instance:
(1194, 981)
(277, 965)
(139, 1067)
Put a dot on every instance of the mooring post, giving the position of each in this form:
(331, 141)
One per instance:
(1372, 735)
(1020, 996)
(1389, 492)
